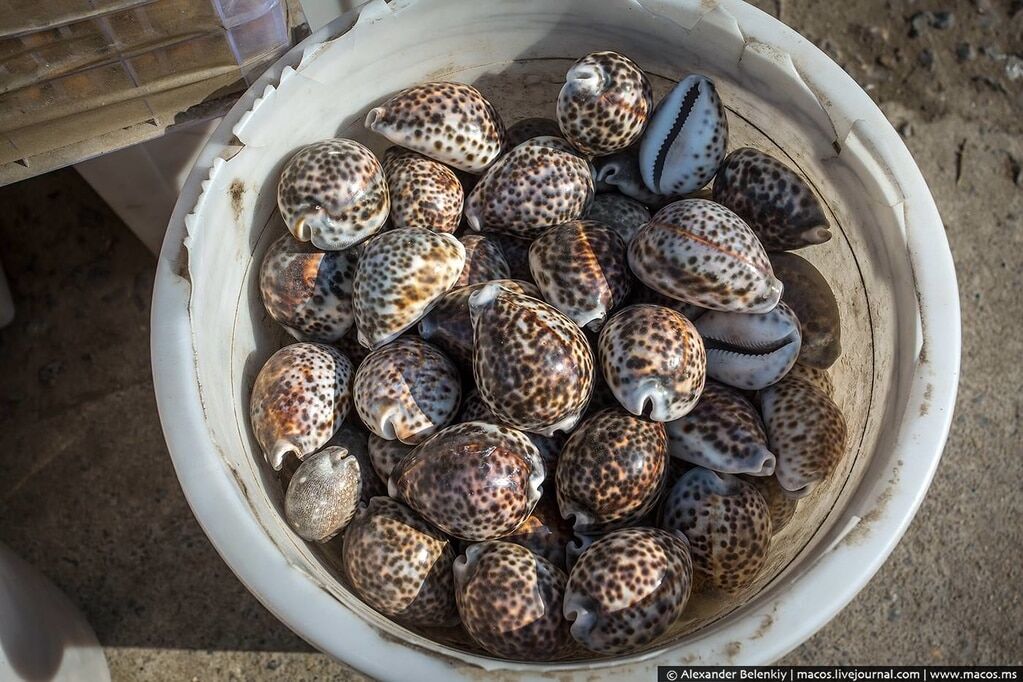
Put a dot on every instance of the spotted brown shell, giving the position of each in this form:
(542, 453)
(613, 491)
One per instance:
(545, 532)
(384, 454)
(333, 193)
(300, 397)
(619, 212)
(484, 261)
(450, 122)
(423, 192)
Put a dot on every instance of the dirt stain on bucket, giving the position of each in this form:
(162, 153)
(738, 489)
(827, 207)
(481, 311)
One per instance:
(237, 191)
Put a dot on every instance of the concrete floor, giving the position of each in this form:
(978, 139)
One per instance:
(88, 494)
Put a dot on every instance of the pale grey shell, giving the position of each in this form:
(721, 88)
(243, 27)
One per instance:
(728, 525)
(333, 193)
(308, 291)
(528, 128)
(533, 366)
(324, 493)
(724, 433)
(510, 601)
(810, 296)
(449, 122)
(780, 506)
(619, 172)
(484, 261)
(300, 397)
(619, 212)
(700, 252)
(449, 326)
(611, 471)
(628, 588)
(407, 391)
(653, 361)
(805, 430)
(580, 268)
(773, 200)
(536, 185)
(424, 192)
(685, 140)
(401, 275)
(400, 565)
(750, 350)
(474, 480)
(385, 455)
(605, 103)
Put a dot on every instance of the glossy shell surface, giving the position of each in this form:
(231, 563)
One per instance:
(484, 261)
(545, 532)
(580, 268)
(685, 140)
(622, 214)
(619, 172)
(475, 481)
(699, 252)
(653, 361)
(407, 391)
(510, 601)
(605, 103)
(533, 366)
(333, 193)
(401, 275)
(750, 350)
(424, 192)
(450, 122)
(300, 397)
(384, 454)
(627, 588)
(727, 522)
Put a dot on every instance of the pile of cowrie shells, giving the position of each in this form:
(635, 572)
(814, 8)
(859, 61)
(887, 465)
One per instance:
(549, 380)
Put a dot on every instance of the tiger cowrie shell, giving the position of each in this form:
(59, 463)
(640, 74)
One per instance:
(619, 172)
(528, 128)
(450, 122)
(728, 525)
(323, 494)
(685, 140)
(580, 268)
(474, 480)
(750, 350)
(806, 432)
(300, 397)
(628, 588)
(484, 261)
(700, 252)
(423, 192)
(611, 471)
(812, 299)
(385, 455)
(724, 433)
(400, 565)
(407, 390)
(333, 193)
(815, 377)
(773, 200)
(475, 410)
(448, 323)
(516, 254)
(780, 506)
(536, 185)
(401, 275)
(510, 601)
(535, 386)
(619, 212)
(545, 532)
(604, 104)
(653, 361)
(308, 291)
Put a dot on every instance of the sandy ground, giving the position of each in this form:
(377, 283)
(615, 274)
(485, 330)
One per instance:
(88, 494)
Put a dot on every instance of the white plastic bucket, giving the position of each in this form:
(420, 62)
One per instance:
(889, 263)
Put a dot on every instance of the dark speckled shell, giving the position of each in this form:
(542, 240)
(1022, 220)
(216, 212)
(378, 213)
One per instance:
(724, 433)
(580, 268)
(424, 192)
(545, 532)
(510, 601)
(475, 410)
(700, 252)
(385, 454)
(333, 193)
(780, 506)
(727, 522)
(533, 366)
(484, 261)
(619, 212)
(611, 471)
(400, 565)
(775, 201)
(604, 104)
(449, 122)
(475, 481)
(627, 589)
(813, 301)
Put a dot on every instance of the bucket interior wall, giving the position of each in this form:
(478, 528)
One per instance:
(519, 62)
